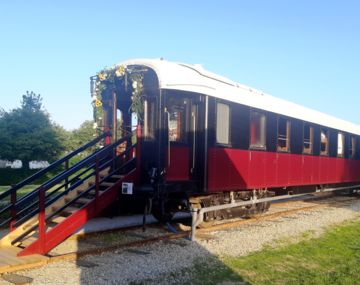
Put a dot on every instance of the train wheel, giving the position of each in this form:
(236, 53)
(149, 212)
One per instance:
(161, 212)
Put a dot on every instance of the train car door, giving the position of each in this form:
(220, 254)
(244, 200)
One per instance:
(182, 112)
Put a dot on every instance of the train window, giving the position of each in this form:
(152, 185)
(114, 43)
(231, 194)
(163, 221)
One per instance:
(134, 121)
(324, 142)
(283, 139)
(149, 119)
(308, 139)
(257, 129)
(352, 147)
(176, 109)
(119, 127)
(340, 145)
(222, 123)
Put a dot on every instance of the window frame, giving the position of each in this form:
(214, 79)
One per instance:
(352, 146)
(308, 150)
(150, 119)
(287, 135)
(342, 154)
(327, 149)
(222, 119)
(262, 129)
(171, 106)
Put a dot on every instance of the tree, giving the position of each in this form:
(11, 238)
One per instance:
(65, 137)
(72, 140)
(27, 133)
(31, 102)
(83, 134)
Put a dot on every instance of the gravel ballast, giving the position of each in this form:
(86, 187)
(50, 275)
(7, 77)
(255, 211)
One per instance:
(159, 263)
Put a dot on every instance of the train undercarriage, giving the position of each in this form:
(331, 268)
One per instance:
(231, 197)
(164, 208)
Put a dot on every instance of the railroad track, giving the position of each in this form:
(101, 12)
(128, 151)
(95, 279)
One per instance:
(277, 210)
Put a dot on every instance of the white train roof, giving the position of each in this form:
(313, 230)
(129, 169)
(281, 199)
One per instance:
(194, 78)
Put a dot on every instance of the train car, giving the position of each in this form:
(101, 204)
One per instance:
(206, 139)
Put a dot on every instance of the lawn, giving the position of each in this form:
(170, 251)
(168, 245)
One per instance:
(6, 200)
(333, 258)
(26, 189)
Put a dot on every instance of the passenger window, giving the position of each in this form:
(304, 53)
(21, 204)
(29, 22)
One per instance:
(222, 123)
(149, 119)
(257, 129)
(340, 145)
(177, 123)
(352, 147)
(324, 142)
(308, 139)
(283, 139)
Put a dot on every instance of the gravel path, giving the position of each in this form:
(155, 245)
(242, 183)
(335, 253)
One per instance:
(158, 263)
(255, 236)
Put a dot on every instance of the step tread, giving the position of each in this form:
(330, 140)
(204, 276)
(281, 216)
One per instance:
(83, 200)
(107, 184)
(117, 176)
(70, 210)
(58, 219)
(27, 241)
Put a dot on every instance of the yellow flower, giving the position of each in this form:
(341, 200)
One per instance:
(102, 76)
(98, 103)
(120, 71)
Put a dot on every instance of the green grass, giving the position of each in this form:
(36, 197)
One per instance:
(21, 192)
(333, 258)
(6, 200)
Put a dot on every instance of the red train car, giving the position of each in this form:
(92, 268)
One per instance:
(205, 138)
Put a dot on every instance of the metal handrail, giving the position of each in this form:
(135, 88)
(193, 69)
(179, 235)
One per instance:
(88, 163)
(104, 163)
(40, 173)
(14, 204)
(48, 195)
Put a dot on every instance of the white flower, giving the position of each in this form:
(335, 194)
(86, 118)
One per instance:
(94, 98)
(134, 84)
(95, 125)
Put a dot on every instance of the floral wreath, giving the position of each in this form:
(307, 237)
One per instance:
(111, 79)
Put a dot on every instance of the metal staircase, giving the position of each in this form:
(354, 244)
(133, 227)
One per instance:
(43, 218)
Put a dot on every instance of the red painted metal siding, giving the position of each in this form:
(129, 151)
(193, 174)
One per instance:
(247, 169)
(179, 164)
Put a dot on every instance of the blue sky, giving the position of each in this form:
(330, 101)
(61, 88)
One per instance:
(303, 51)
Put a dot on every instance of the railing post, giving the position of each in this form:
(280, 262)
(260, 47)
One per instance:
(13, 210)
(97, 180)
(194, 218)
(113, 158)
(107, 139)
(42, 226)
(138, 151)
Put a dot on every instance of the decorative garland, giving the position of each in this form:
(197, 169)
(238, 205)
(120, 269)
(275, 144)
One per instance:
(112, 80)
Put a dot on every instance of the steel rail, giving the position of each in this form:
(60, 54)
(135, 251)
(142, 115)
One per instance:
(197, 215)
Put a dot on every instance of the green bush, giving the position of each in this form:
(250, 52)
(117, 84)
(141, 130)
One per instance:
(10, 176)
